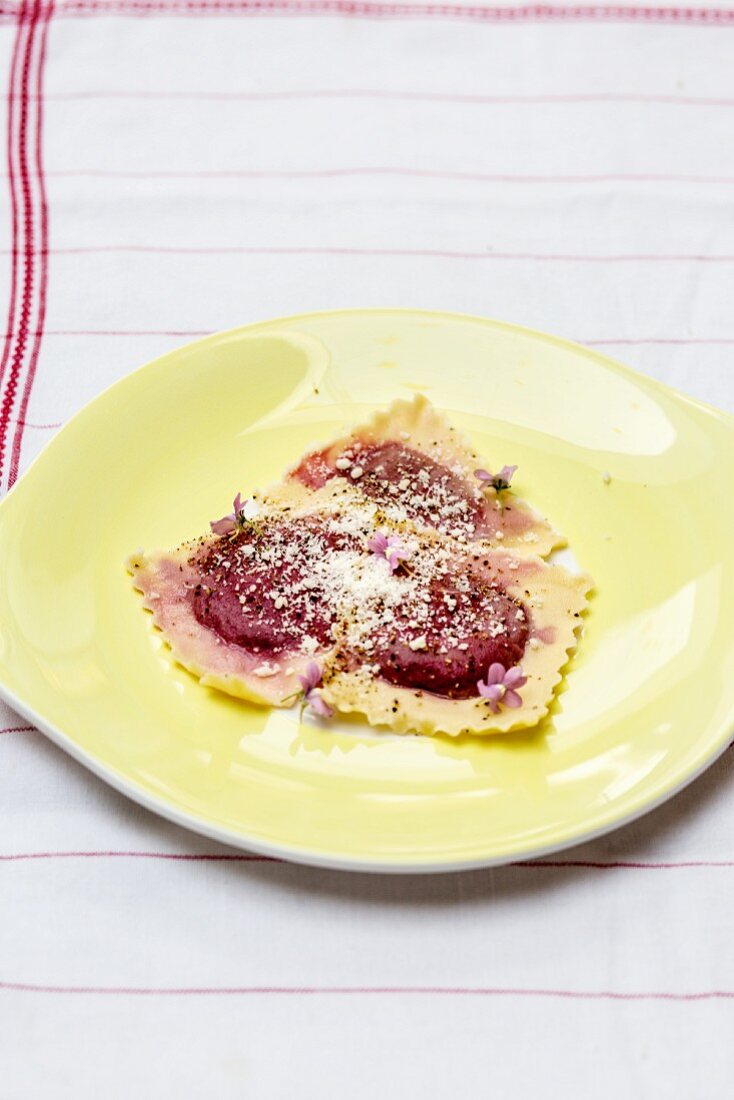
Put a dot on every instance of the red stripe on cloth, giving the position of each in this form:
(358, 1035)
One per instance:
(43, 276)
(119, 332)
(530, 13)
(27, 259)
(184, 857)
(379, 991)
(28, 424)
(129, 332)
(627, 864)
(386, 94)
(17, 729)
(409, 253)
(237, 857)
(32, 296)
(666, 341)
(633, 341)
(383, 170)
(12, 97)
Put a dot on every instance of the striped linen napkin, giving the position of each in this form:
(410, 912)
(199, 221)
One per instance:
(178, 167)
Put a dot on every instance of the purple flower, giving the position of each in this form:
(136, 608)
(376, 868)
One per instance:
(242, 510)
(318, 706)
(498, 481)
(311, 677)
(312, 696)
(501, 686)
(390, 547)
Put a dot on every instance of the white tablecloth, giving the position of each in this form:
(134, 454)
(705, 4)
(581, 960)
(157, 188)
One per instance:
(177, 168)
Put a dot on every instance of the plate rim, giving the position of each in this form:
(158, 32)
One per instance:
(315, 858)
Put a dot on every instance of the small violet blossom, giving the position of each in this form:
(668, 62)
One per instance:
(242, 510)
(390, 547)
(501, 686)
(312, 696)
(499, 481)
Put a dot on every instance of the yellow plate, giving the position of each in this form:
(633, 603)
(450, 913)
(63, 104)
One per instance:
(648, 701)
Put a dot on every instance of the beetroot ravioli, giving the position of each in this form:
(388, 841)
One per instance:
(388, 574)
(417, 469)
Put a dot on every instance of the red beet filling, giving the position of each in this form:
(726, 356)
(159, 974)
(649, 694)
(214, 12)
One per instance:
(466, 633)
(428, 490)
(315, 470)
(393, 475)
(258, 589)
